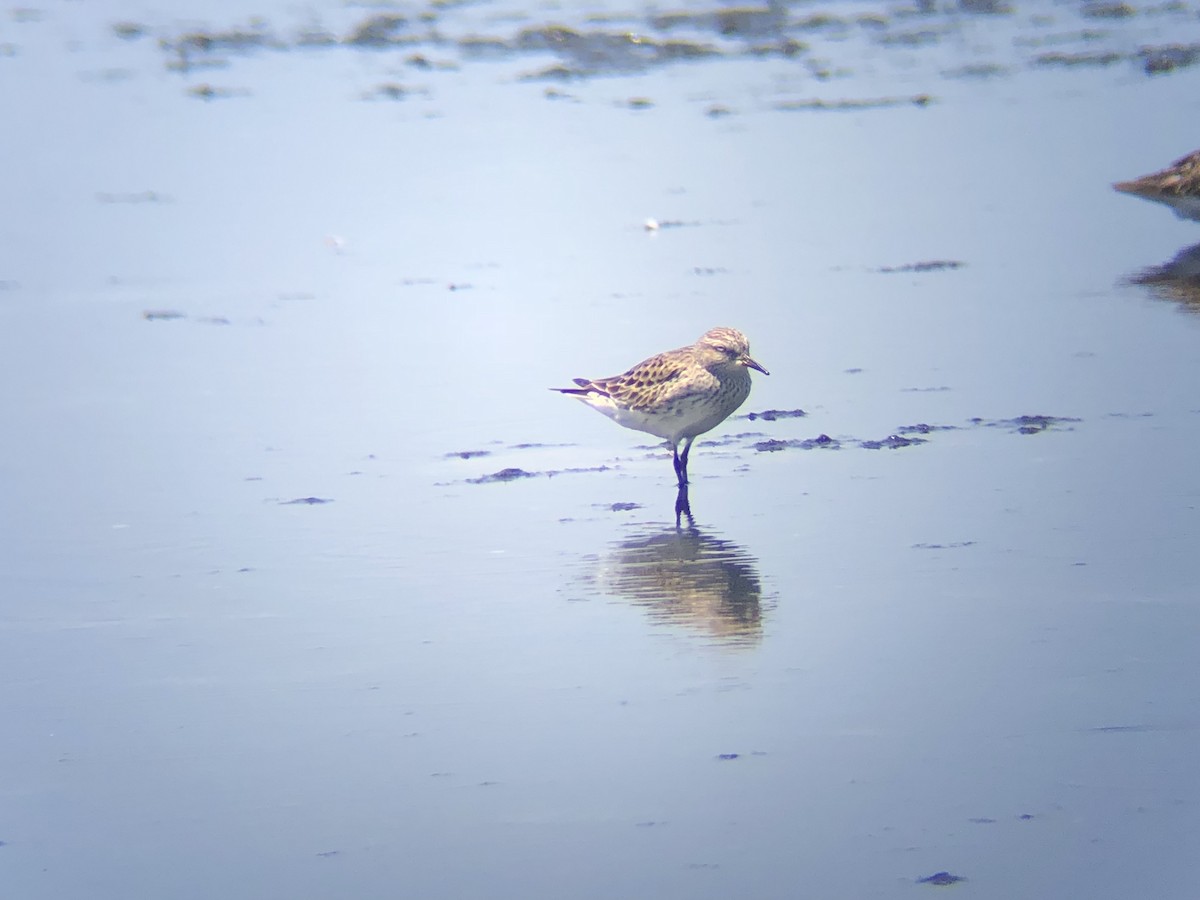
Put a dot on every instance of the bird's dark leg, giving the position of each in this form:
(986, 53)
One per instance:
(680, 464)
(682, 507)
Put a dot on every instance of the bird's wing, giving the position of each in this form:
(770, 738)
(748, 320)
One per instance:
(650, 382)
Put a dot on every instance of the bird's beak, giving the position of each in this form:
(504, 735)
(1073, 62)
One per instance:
(751, 364)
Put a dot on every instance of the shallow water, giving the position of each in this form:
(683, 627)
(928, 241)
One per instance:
(270, 630)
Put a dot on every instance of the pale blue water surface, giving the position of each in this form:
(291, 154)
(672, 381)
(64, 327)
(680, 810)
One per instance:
(974, 655)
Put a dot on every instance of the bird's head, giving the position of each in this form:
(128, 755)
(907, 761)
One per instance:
(726, 347)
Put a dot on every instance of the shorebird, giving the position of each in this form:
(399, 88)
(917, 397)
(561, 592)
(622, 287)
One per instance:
(1177, 186)
(678, 394)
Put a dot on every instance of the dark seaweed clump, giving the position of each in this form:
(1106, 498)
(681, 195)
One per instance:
(891, 442)
(509, 474)
(823, 442)
(941, 879)
(770, 415)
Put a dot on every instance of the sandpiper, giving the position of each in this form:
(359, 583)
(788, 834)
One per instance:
(1177, 186)
(678, 394)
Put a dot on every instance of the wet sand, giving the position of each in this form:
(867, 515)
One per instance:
(313, 589)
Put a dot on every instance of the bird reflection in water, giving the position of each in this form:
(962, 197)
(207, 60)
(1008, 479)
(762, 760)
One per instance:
(682, 576)
(1177, 280)
(683, 508)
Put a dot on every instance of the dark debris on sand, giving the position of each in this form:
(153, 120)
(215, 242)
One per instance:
(468, 454)
(1168, 57)
(770, 415)
(891, 442)
(853, 104)
(635, 42)
(510, 474)
(911, 435)
(1029, 424)
(941, 879)
(928, 265)
(820, 442)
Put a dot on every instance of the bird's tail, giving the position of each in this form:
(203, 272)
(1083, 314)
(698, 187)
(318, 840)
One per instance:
(585, 387)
